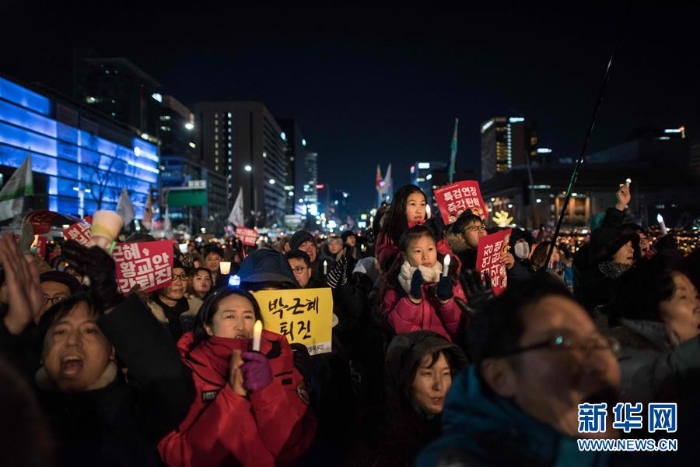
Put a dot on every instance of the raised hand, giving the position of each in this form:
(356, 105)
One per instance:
(444, 289)
(22, 281)
(257, 373)
(235, 377)
(622, 197)
(476, 290)
(99, 267)
(338, 275)
(416, 281)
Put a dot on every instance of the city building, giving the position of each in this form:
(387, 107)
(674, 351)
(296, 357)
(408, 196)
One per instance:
(658, 164)
(506, 142)
(118, 88)
(180, 169)
(422, 176)
(242, 141)
(81, 158)
(302, 171)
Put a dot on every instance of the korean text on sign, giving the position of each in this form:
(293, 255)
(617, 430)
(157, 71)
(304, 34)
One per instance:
(488, 258)
(148, 264)
(80, 232)
(247, 236)
(303, 316)
(456, 198)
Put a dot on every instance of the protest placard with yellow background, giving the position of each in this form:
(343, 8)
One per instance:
(303, 316)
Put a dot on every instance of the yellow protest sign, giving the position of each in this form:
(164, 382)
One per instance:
(303, 316)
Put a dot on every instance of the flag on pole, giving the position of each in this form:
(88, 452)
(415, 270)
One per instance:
(14, 191)
(388, 182)
(147, 220)
(453, 153)
(236, 216)
(125, 207)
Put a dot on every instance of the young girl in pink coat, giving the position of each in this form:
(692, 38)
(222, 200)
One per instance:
(415, 294)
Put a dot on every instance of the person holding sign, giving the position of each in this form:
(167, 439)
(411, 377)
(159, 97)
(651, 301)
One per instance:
(251, 407)
(416, 295)
(408, 209)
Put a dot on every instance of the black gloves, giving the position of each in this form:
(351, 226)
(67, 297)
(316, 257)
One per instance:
(444, 289)
(99, 267)
(338, 275)
(478, 292)
(416, 282)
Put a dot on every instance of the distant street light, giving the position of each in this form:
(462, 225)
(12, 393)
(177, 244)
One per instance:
(247, 168)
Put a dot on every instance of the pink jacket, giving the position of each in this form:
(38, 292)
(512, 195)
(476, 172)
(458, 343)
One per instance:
(405, 316)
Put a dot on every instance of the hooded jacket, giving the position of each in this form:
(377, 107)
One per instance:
(224, 428)
(393, 434)
(480, 428)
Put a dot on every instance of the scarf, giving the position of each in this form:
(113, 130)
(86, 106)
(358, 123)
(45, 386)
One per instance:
(429, 274)
(215, 353)
(613, 270)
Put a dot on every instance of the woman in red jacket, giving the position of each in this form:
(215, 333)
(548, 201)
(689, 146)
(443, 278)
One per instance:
(415, 294)
(251, 408)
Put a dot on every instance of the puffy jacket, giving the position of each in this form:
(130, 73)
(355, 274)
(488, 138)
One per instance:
(224, 428)
(486, 429)
(404, 316)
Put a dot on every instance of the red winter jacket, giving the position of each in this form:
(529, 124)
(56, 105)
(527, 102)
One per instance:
(269, 426)
(405, 316)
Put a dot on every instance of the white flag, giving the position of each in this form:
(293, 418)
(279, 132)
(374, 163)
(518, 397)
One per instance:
(125, 207)
(17, 187)
(236, 216)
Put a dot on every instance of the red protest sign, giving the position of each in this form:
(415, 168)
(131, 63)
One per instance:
(39, 244)
(80, 232)
(247, 236)
(454, 199)
(148, 264)
(488, 258)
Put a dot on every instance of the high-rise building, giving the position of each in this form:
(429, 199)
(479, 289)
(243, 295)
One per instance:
(422, 176)
(301, 179)
(181, 168)
(506, 142)
(118, 88)
(242, 141)
(309, 200)
(81, 159)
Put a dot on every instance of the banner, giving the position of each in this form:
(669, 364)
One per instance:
(454, 199)
(38, 246)
(247, 236)
(13, 193)
(488, 258)
(303, 316)
(80, 232)
(149, 264)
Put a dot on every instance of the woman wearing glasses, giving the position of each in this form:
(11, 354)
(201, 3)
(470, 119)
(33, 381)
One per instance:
(170, 306)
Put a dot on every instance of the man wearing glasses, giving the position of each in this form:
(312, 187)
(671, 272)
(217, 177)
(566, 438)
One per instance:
(463, 237)
(537, 355)
(300, 262)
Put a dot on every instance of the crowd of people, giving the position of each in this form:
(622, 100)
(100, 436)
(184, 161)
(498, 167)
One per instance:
(427, 366)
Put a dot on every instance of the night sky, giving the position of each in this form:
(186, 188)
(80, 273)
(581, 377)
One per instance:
(371, 84)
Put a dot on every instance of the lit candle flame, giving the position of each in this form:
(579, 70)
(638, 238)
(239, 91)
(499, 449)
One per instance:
(257, 333)
(446, 267)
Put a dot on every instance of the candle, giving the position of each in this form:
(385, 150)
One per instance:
(628, 181)
(446, 267)
(225, 267)
(325, 267)
(257, 332)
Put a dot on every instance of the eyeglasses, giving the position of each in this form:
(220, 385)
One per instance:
(476, 228)
(54, 300)
(561, 342)
(182, 277)
(299, 269)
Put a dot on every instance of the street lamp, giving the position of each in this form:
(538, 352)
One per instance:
(247, 168)
(81, 200)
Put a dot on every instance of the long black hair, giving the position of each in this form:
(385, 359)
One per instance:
(395, 222)
(205, 317)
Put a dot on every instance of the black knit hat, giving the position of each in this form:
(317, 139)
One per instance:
(266, 265)
(299, 238)
(61, 277)
(346, 234)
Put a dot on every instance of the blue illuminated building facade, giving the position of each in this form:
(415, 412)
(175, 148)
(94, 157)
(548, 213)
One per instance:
(81, 159)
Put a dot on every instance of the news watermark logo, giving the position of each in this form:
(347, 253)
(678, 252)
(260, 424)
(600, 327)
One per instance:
(628, 417)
